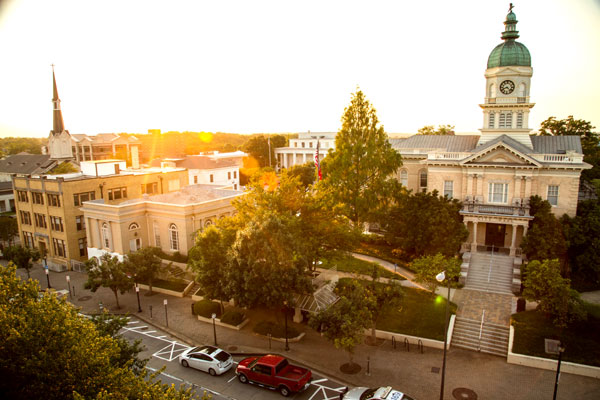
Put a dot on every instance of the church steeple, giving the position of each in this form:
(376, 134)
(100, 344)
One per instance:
(57, 124)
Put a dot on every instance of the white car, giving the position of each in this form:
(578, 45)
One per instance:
(208, 359)
(382, 393)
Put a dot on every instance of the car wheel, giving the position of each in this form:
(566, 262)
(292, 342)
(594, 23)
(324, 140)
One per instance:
(212, 372)
(285, 392)
(185, 363)
(243, 378)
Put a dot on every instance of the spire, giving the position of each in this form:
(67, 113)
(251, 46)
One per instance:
(510, 30)
(57, 124)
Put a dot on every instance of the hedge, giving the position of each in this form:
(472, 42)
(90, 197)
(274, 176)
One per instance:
(233, 317)
(206, 308)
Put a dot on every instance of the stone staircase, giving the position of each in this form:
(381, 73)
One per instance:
(490, 273)
(494, 337)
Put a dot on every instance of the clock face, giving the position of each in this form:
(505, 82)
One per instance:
(507, 87)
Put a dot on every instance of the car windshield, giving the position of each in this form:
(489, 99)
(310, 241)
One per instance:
(367, 394)
(222, 356)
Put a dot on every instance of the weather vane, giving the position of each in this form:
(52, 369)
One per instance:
(511, 7)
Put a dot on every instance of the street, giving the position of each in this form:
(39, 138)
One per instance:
(164, 351)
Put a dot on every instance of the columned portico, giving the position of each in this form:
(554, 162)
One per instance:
(494, 230)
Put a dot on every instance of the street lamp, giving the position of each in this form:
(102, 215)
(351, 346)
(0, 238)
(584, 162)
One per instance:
(214, 317)
(47, 272)
(69, 285)
(440, 278)
(287, 345)
(137, 292)
(561, 349)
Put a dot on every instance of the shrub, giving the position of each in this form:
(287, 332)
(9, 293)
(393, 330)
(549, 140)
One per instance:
(176, 285)
(233, 317)
(206, 308)
(276, 330)
(177, 256)
(521, 304)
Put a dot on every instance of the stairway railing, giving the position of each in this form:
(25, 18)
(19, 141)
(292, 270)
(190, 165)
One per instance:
(481, 330)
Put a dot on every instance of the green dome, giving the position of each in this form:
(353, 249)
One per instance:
(509, 53)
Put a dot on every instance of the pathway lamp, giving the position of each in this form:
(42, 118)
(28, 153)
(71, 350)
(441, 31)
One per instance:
(561, 350)
(287, 345)
(137, 292)
(214, 318)
(441, 277)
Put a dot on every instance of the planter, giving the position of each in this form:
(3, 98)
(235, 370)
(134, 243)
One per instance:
(399, 337)
(218, 322)
(167, 291)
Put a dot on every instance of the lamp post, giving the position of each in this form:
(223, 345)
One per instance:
(69, 285)
(166, 313)
(137, 292)
(561, 349)
(287, 345)
(47, 273)
(440, 278)
(214, 317)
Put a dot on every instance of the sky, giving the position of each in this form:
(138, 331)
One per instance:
(282, 66)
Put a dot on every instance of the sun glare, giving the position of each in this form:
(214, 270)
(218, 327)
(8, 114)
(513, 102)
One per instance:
(206, 137)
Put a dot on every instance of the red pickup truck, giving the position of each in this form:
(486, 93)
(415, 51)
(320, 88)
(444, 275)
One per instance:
(275, 372)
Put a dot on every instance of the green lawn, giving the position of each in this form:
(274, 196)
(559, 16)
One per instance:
(419, 314)
(350, 264)
(581, 340)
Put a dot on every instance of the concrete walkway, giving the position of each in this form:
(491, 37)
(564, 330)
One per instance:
(410, 371)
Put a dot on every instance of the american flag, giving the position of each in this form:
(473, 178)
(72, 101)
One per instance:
(317, 163)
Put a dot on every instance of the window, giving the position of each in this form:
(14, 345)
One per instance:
(498, 193)
(492, 91)
(492, 121)
(295, 144)
(553, 194)
(195, 179)
(519, 120)
(212, 178)
(79, 198)
(37, 198)
(234, 174)
(59, 247)
(423, 179)
(310, 144)
(82, 247)
(502, 122)
(150, 188)
(53, 200)
(207, 223)
(25, 217)
(174, 237)
(22, 196)
(80, 222)
(303, 144)
(28, 236)
(229, 175)
(505, 120)
(40, 220)
(235, 186)
(448, 189)
(56, 224)
(156, 235)
(404, 178)
(117, 193)
(106, 235)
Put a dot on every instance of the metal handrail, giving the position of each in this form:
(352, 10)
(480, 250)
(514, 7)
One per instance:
(481, 330)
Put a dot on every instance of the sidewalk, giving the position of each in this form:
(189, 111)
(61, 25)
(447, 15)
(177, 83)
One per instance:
(410, 371)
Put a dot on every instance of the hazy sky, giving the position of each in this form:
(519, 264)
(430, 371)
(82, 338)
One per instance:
(282, 66)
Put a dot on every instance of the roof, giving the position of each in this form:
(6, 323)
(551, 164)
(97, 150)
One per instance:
(198, 162)
(510, 52)
(6, 186)
(189, 195)
(450, 143)
(556, 144)
(520, 147)
(26, 164)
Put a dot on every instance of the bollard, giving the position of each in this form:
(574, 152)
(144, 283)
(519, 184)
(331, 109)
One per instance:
(150, 312)
(73, 290)
(269, 336)
(406, 344)
(394, 342)
(368, 366)
(193, 313)
(420, 345)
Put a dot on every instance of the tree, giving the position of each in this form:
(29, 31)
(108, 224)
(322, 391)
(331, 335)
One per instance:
(50, 351)
(544, 284)
(359, 171)
(64, 168)
(22, 257)
(584, 246)
(545, 237)
(442, 130)
(144, 265)
(344, 322)
(381, 295)
(427, 267)
(108, 272)
(9, 228)
(425, 224)
(305, 172)
(258, 148)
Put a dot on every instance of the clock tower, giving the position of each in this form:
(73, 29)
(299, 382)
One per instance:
(507, 86)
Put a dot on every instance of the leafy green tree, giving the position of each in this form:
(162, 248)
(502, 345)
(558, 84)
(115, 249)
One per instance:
(427, 267)
(49, 351)
(64, 168)
(359, 171)
(544, 284)
(22, 257)
(344, 323)
(584, 246)
(9, 228)
(381, 295)
(305, 172)
(144, 265)
(441, 130)
(545, 237)
(12, 145)
(108, 272)
(425, 224)
(258, 148)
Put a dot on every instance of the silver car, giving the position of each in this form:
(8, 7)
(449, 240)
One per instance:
(382, 393)
(208, 359)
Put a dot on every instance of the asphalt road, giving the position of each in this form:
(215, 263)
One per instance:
(163, 350)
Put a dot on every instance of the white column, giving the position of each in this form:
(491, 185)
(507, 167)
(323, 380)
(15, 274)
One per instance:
(513, 240)
(474, 243)
(88, 233)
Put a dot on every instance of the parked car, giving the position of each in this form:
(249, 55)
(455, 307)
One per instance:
(208, 359)
(382, 393)
(274, 372)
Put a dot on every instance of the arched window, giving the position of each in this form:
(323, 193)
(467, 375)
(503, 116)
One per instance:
(492, 91)
(174, 237)
(208, 222)
(423, 180)
(106, 235)
(404, 178)
(521, 90)
(134, 226)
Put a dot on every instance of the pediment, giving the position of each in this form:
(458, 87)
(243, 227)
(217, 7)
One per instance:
(500, 154)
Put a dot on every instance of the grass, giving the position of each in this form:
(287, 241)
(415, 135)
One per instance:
(353, 265)
(419, 314)
(175, 285)
(276, 330)
(581, 339)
